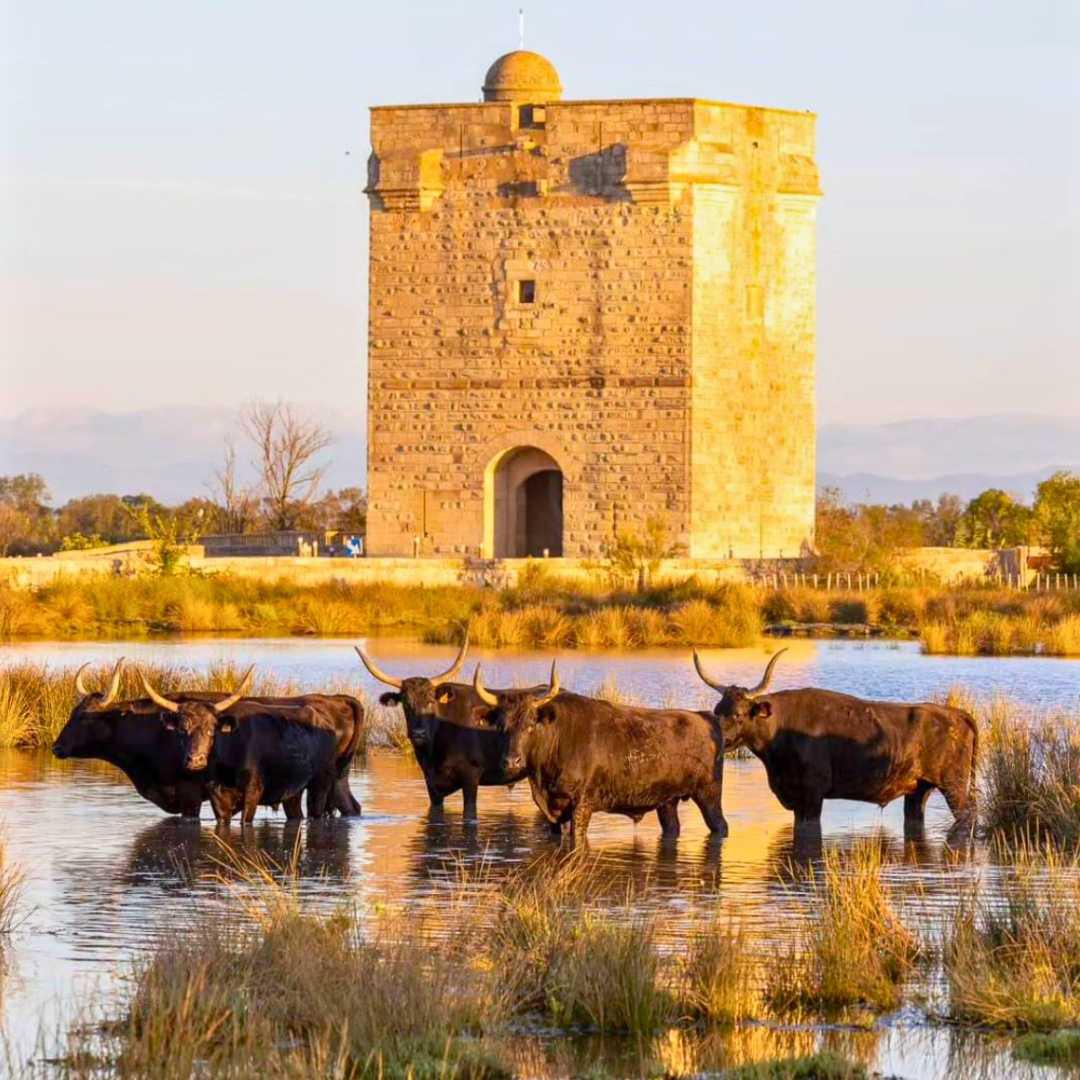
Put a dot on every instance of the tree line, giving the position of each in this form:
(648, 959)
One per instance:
(286, 491)
(868, 536)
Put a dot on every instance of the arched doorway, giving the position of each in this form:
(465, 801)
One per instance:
(524, 496)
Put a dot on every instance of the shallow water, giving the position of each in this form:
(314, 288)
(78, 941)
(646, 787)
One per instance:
(108, 873)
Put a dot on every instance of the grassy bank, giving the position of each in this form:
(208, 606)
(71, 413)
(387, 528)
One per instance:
(36, 700)
(543, 611)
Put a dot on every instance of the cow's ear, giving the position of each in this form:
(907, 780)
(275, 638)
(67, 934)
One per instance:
(226, 725)
(545, 715)
(761, 710)
(389, 699)
(444, 694)
(169, 720)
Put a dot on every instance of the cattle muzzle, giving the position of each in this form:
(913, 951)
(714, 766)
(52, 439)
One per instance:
(513, 762)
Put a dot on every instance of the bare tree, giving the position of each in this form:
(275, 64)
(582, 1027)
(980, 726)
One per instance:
(287, 445)
(236, 504)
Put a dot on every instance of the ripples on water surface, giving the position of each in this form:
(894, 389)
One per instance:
(107, 873)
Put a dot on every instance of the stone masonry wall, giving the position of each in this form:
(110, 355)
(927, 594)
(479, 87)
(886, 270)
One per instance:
(625, 219)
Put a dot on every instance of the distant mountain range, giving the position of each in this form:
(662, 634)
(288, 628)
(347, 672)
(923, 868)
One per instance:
(172, 452)
(917, 459)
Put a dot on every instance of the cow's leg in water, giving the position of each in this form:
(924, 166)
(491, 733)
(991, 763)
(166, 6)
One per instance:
(808, 813)
(668, 813)
(253, 790)
(292, 808)
(709, 802)
(579, 821)
(468, 795)
(915, 803)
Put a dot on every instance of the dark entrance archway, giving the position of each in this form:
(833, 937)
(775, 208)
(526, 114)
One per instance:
(526, 494)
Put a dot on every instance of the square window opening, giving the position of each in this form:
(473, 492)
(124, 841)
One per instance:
(532, 117)
(526, 291)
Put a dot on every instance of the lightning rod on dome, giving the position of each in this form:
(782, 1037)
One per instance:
(521, 28)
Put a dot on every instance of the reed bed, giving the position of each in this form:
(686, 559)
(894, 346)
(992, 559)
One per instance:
(854, 949)
(1028, 774)
(36, 700)
(542, 611)
(1015, 964)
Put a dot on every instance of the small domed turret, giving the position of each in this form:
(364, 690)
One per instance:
(522, 76)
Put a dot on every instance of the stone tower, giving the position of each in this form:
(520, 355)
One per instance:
(585, 314)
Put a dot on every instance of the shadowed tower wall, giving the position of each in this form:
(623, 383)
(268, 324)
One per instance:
(620, 293)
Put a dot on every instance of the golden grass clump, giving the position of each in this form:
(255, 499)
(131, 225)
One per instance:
(1030, 765)
(718, 978)
(854, 950)
(1014, 963)
(824, 1065)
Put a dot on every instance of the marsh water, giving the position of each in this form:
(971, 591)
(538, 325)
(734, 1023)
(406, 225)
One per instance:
(108, 874)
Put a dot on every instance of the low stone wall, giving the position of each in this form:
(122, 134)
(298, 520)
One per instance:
(947, 565)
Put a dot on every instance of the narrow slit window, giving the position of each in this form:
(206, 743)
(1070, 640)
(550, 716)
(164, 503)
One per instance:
(526, 291)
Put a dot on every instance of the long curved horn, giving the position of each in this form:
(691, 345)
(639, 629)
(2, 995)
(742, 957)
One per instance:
(553, 687)
(80, 687)
(241, 691)
(767, 677)
(114, 684)
(482, 692)
(700, 668)
(156, 698)
(376, 673)
(446, 676)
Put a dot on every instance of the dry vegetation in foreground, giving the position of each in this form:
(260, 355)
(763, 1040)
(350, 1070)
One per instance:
(1015, 963)
(36, 700)
(276, 991)
(543, 611)
(1029, 764)
(853, 949)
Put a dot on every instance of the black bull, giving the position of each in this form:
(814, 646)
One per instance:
(455, 750)
(133, 736)
(817, 745)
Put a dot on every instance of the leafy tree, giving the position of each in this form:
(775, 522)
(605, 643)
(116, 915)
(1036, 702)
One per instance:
(1057, 517)
(994, 519)
(170, 533)
(25, 516)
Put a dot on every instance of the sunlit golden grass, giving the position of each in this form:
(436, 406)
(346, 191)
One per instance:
(36, 699)
(853, 949)
(1029, 784)
(1014, 962)
(718, 978)
(277, 992)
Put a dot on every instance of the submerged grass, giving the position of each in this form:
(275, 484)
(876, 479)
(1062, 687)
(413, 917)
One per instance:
(1015, 963)
(822, 1066)
(1060, 1048)
(1030, 765)
(854, 950)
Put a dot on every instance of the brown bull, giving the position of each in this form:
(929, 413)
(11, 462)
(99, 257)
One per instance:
(583, 755)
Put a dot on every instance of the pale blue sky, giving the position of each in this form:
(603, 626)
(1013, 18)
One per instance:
(181, 222)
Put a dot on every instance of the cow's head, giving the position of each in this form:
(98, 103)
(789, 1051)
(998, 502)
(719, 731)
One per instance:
(745, 717)
(518, 714)
(88, 727)
(198, 722)
(423, 699)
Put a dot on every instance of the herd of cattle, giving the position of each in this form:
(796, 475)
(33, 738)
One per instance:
(579, 754)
